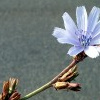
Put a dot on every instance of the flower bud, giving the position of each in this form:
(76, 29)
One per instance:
(60, 85)
(5, 88)
(12, 84)
(67, 85)
(1, 97)
(68, 76)
(74, 86)
(8, 91)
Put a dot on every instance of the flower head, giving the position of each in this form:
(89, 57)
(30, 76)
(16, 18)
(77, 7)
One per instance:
(85, 36)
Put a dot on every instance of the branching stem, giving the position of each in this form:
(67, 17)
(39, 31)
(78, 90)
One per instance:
(54, 80)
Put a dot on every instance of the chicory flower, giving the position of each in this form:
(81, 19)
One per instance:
(85, 36)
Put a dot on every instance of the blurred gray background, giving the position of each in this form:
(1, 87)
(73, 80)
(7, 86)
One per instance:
(29, 52)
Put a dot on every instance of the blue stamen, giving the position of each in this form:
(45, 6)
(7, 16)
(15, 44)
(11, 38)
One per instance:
(85, 40)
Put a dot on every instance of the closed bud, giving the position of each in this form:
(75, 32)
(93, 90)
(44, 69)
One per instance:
(69, 75)
(60, 85)
(12, 84)
(9, 90)
(1, 97)
(74, 86)
(5, 88)
(67, 85)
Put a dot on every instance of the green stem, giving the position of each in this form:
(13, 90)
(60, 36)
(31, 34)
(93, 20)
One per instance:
(44, 87)
(55, 79)
(49, 84)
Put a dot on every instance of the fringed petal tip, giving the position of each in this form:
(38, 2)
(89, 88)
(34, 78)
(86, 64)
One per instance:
(58, 32)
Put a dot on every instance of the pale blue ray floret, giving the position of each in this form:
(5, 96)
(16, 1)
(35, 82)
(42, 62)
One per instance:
(85, 36)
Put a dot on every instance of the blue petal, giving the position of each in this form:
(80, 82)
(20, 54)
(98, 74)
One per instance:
(68, 40)
(75, 50)
(69, 24)
(93, 18)
(64, 37)
(59, 32)
(91, 51)
(96, 30)
(95, 40)
(81, 16)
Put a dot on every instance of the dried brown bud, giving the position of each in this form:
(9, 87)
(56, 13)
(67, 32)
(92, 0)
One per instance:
(67, 85)
(1, 97)
(60, 85)
(74, 86)
(8, 91)
(69, 75)
(5, 88)
(12, 84)
(15, 96)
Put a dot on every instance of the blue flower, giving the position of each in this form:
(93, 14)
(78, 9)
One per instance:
(85, 36)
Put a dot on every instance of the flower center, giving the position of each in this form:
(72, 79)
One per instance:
(84, 38)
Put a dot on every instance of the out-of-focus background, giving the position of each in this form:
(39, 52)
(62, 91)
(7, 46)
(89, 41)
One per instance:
(29, 52)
